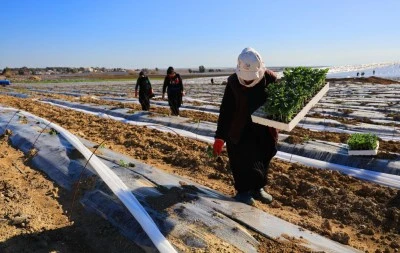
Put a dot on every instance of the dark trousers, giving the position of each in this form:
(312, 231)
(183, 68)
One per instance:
(144, 101)
(174, 101)
(249, 158)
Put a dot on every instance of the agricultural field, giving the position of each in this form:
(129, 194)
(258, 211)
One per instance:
(351, 205)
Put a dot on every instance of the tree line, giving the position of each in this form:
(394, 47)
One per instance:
(202, 69)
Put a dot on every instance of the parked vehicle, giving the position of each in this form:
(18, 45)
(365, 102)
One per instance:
(5, 82)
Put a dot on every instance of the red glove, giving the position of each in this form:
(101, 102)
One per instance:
(135, 93)
(218, 145)
(274, 133)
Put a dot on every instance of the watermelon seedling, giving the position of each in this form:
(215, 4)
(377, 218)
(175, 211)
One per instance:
(361, 141)
(285, 99)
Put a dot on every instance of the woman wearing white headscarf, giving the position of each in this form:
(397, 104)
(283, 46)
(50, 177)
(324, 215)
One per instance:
(250, 146)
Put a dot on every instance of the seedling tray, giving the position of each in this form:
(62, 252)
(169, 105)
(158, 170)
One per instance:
(258, 116)
(365, 152)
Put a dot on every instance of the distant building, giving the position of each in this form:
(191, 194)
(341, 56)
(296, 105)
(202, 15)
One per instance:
(88, 70)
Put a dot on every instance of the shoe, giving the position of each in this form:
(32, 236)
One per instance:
(262, 196)
(244, 197)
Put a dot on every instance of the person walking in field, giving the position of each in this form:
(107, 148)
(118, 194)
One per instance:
(250, 146)
(174, 87)
(145, 91)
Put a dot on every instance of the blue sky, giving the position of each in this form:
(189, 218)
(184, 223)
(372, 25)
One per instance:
(136, 34)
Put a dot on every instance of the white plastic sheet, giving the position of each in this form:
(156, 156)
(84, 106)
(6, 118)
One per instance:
(368, 175)
(115, 184)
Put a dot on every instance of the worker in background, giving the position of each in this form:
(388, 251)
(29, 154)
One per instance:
(174, 87)
(145, 91)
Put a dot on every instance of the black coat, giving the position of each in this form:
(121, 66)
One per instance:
(144, 85)
(173, 85)
(250, 146)
(238, 104)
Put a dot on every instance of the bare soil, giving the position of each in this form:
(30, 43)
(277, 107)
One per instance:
(361, 214)
(37, 216)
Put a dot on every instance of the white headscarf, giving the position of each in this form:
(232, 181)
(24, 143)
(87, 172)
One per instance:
(250, 66)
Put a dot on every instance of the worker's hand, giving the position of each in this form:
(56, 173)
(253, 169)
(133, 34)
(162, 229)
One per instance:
(135, 93)
(274, 133)
(218, 145)
(183, 93)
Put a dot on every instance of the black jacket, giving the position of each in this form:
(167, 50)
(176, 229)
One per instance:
(173, 85)
(238, 104)
(144, 85)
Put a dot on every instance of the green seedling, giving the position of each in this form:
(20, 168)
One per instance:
(31, 154)
(124, 164)
(210, 152)
(23, 119)
(53, 132)
(306, 138)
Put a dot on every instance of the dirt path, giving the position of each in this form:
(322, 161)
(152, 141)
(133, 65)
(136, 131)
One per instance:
(361, 214)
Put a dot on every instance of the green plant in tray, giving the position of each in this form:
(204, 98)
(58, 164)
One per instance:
(286, 98)
(359, 141)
